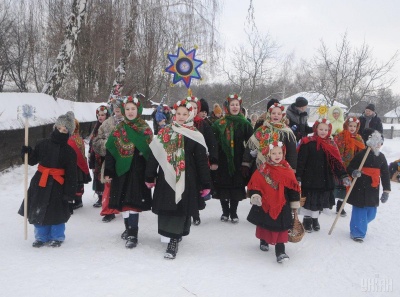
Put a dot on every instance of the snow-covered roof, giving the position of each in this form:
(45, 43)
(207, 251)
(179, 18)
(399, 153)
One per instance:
(394, 113)
(47, 110)
(314, 99)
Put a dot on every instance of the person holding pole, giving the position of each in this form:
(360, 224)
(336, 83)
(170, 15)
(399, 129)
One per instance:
(54, 184)
(365, 194)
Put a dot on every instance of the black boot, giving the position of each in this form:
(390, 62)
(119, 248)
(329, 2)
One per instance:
(78, 202)
(338, 206)
(264, 246)
(38, 244)
(196, 220)
(98, 202)
(172, 249)
(225, 210)
(71, 208)
(307, 224)
(131, 240)
(233, 211)
(315, 224)
(124, 234)
(280, 253)
(108, 218)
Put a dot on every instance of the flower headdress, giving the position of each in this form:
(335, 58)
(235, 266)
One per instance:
(134, 100)
(102, 108)
(277, 105)
(352, 120)
(185, 103)
(234, 97)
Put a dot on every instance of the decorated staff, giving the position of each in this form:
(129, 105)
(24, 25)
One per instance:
(26, 112)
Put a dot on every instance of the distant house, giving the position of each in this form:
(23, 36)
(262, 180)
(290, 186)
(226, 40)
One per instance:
(315, 100)
(393, 116)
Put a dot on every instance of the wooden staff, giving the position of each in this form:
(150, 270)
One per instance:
(349, 191)
(26, 182)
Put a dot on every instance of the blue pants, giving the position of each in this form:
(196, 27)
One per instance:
(360, 217)
(46, 233)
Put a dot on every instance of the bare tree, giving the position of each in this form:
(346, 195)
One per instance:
(347, 75)
(6, 24)
(67, 50)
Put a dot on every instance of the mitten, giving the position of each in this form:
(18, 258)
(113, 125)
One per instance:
(150, 185)
(245, 171)
(346, 181)
(294, 128)
(253, 153)
(25, 150)
(384, 197)
(205, 192)
(356, 173)
(255, 199)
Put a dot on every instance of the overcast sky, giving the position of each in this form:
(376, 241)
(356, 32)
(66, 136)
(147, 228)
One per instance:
(298, 26)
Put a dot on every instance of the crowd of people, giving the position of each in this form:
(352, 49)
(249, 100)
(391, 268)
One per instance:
(194, 155)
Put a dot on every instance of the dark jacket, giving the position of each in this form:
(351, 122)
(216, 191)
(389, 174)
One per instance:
(298, 119)
(197, 177)
(129, 189)
(283, 222)
(313, 169)
(49, 205)
(363, 194)
(375, 124)
(212, 145)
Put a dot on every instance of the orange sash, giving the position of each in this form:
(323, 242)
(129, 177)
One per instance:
(57, 174)
(374, 173)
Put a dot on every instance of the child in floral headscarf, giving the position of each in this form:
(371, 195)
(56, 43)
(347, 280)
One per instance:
(232, 132)
(318, 161)
(349, 143)
(178, 168)
(274, 193)
(125, 165)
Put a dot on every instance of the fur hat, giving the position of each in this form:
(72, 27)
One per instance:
(67, 120)
(301, 101)
(204, 106)
(371, 107)
(217, 109)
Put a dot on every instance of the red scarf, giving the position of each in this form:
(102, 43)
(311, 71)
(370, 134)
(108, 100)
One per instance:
(271, 180)
(76, 142)
(330, 149)
(374, 173)
(197, 121)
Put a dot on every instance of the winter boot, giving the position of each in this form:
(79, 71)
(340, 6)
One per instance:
(131, 240)
(233, 211)
(133, 223)
(172, 249)
(280, 253)
(55, 243)
(71, 208)
(108, 218)
(78, 203)
(315, 224)
(307, 224)
(338, 206)
(38, 244)
(124, 234)
(225, 210)
(98, 202)
(196, 221)
(264, 246)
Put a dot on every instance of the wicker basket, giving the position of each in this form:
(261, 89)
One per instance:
(297, 232)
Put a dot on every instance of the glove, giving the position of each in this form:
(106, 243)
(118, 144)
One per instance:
(294, 128)
(253, 153)
(245, 171)
(205, 192)
(384, 197)
(255, 199)
(25, 150)
(150, 185)
(346, 181)
(356, 173)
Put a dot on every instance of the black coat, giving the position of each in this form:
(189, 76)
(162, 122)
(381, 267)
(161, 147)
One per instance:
(211, 142)
(129, 189)
(197, 177)
(223, 179)
(375, 124)
(283, 222)
(298, 119)
(363, 194)
(313, 169)
(49, 205)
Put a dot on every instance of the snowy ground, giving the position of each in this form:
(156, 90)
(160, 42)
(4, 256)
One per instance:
(216, 259)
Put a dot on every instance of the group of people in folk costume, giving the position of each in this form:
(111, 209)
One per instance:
(278, 160)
